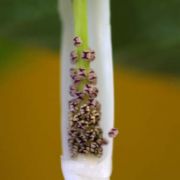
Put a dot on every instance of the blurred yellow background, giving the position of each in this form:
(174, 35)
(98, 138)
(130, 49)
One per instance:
(147, 115)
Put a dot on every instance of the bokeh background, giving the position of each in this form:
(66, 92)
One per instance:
(146, 41)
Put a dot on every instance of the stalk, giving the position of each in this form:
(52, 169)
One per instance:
(92, 24)
(81, 27)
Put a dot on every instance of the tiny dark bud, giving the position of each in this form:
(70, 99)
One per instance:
(77, 41)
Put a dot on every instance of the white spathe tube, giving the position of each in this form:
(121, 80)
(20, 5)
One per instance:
(86, 167)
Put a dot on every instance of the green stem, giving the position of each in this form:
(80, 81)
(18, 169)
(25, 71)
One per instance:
(81, 29)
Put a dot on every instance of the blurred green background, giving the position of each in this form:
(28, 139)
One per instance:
(146, 34)
(146, 41)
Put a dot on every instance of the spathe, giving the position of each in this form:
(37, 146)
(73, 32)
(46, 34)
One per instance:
(100, 40)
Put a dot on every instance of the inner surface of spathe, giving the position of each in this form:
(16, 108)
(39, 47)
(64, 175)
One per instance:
(100, 41)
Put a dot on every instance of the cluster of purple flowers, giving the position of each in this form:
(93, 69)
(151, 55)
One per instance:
(85, 133)
(87, 55)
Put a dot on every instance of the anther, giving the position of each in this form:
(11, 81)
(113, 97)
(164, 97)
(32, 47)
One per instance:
(74, 57)
(91, 91)
(77, 41)
(78, 75)
(88, 55)
(113, 133)
(92, 77)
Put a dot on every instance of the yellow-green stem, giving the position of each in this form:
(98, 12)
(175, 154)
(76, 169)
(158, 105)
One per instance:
(81, 29)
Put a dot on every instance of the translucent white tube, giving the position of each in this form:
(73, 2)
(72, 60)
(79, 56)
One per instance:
(100, 40)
